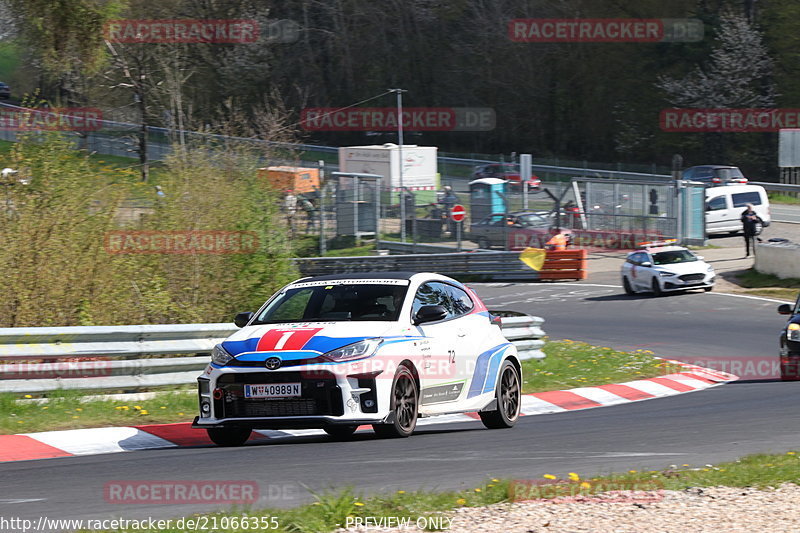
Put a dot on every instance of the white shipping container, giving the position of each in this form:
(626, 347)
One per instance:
(419, 164)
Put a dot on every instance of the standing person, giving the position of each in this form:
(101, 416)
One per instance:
(311, 213)
(558, 242)
(449, 199)
(750, 221)
(290, 207)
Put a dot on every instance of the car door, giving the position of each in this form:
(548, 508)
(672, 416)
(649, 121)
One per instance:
(637, 274)
(440, 382)
(719, 215)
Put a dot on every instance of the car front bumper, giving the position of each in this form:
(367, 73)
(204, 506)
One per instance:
(675, 283)
(326, 399)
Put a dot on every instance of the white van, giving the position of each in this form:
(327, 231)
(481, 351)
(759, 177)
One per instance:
(724, 207)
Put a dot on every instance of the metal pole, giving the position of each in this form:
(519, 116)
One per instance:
(322, 241)
(399, 93)
(458, 235)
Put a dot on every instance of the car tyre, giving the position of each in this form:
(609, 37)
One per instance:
(483, 243)
(404, 406)
(229, 436)
(627, 286)
(508, 394)
(339, 432)
(708, 289)
(656, 288)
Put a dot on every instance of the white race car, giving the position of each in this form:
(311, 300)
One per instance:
(663, 267)
(339, 351)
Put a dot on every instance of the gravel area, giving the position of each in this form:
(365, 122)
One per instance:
(696, 510)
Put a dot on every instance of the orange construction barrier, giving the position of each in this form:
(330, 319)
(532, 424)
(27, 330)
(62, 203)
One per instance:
(564, 264)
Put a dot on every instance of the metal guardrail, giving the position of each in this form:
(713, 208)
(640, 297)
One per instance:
(102, 357)
(483, 266)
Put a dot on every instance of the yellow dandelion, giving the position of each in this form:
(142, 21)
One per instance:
(359, 504)
(79, 409)
(45, 407)
(137, 407)
(489, 485)
(631, 471)
(180, 414)
(163, 407)
(574, 477)
(549, 476)
(28, 396)
(20, 421)
(495, 480)
(586, 485)
(477, 490)
(75, 417)
(461, 501)
(791, 453)
(144, 412)
(401, 492)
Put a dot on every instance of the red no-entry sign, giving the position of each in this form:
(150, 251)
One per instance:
(457, 213)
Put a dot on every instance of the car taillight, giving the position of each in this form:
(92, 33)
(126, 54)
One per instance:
(716, 180)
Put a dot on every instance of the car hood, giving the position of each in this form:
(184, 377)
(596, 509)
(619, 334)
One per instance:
(316, 337)
(684, 268)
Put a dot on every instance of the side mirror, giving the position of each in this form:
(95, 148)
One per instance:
(646, 264)
(241, 319)
(700, 258)
(430, 313)
(784, 309)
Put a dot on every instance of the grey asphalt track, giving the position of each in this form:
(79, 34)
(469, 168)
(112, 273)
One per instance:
(709, 426)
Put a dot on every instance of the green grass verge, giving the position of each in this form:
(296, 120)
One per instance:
(334, 509)
(571, 364)
(782, 198)
(65, 410)
(767, 285)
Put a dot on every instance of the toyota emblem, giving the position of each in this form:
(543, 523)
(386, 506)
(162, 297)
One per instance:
(273, 363)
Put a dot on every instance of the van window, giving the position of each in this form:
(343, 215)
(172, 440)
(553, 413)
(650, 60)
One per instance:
(716, 204)
(740, 199)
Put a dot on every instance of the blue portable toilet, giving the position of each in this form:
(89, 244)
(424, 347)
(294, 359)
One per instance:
(487, 196)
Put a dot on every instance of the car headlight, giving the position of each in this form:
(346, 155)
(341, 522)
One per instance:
(219, 356)
(665, 274)
(710, 269)
(793, 332)
(357, 350)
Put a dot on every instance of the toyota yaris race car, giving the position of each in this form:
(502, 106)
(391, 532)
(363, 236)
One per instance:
(662, 267)
(339, 351)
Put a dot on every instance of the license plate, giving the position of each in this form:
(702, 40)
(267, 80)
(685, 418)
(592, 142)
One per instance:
(272, 390)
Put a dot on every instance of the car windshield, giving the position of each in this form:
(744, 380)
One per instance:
(728, 173)
(533, 221)
(336, 302)
(673, 256)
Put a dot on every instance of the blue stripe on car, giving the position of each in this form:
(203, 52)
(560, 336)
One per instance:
(486, 367)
